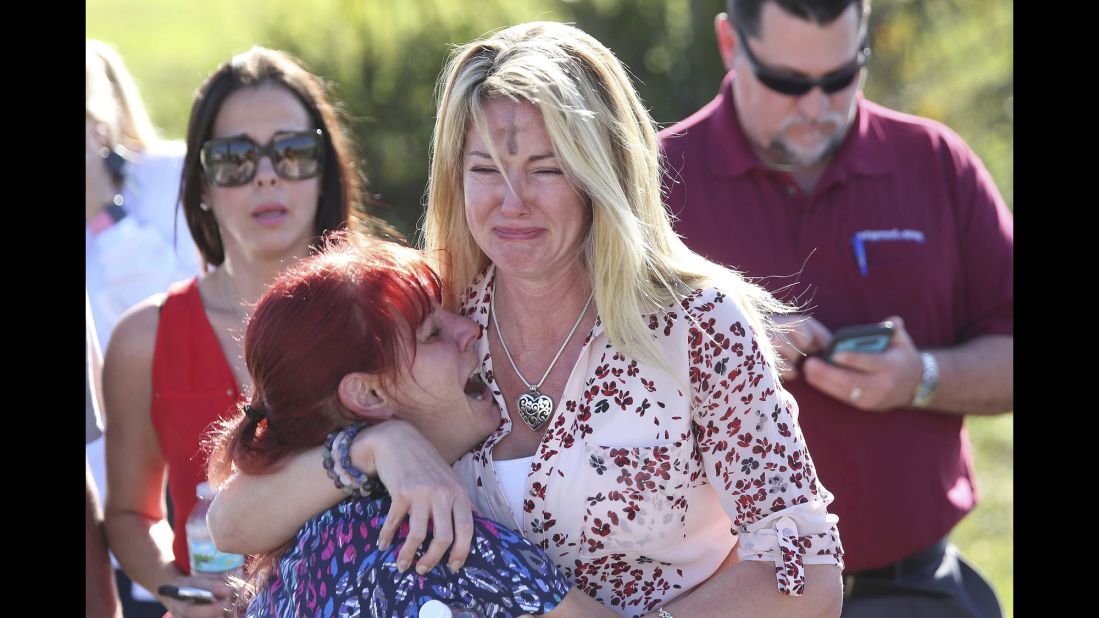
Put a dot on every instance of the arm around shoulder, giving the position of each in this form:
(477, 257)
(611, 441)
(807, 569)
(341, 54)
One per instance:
(288, 497)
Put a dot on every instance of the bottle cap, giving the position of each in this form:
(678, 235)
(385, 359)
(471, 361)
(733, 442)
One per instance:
(435, 609)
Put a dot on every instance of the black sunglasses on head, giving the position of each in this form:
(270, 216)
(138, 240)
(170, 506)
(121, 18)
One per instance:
(233, 161)
(797, 85)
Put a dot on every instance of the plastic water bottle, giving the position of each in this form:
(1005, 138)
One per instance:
(206, 560)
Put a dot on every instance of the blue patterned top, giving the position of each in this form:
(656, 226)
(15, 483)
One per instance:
(334, 568)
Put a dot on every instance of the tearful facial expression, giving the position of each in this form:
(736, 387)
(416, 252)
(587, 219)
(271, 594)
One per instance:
(525, 213)
(269, 217)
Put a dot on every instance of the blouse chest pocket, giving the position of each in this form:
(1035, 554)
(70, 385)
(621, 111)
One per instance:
(636, 498)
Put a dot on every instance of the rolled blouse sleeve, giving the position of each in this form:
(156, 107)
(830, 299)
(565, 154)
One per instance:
(751, 446)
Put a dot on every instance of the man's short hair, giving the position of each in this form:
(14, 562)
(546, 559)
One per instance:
(745, 13)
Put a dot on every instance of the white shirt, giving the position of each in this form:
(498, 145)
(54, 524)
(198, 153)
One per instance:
(512, 475)
(645, 481)
(137, 257)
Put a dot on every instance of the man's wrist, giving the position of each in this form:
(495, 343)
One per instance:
(925, 390)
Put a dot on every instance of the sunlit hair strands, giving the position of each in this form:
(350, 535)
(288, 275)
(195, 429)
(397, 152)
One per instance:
(605, 141)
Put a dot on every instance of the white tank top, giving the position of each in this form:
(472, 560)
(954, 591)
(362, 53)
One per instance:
(512, 475)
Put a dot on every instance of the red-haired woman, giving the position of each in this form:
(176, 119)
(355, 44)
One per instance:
(348, 337)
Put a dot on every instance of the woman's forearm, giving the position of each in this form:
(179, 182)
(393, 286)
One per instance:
(286, 498)
(420, 483)
(748, 589)
(100, 595)
(577, 604)
(143, 548)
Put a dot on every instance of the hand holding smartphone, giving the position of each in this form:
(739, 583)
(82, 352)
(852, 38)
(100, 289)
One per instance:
(873, 338)
(190, 594)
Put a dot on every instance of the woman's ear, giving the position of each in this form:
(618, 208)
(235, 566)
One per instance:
(362, 394)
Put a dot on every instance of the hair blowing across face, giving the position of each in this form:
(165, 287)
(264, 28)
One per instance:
(605, 141)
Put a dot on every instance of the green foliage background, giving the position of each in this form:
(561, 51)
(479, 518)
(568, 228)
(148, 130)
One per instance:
(950, 60)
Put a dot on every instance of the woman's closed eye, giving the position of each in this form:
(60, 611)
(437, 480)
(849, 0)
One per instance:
(429, 331)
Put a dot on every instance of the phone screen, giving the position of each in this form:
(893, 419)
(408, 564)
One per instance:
(865, 338)
(198, 596)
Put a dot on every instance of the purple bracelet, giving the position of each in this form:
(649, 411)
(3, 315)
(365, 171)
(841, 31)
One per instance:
(360, 484)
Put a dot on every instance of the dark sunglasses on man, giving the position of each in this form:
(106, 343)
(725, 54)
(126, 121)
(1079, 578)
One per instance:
(796, 85)
(233, 161)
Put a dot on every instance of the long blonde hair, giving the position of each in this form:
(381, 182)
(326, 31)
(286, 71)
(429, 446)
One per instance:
(606, 143)
(111, 97)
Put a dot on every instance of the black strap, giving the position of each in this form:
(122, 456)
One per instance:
(116, 211)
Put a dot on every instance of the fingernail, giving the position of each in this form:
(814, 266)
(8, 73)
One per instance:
(455, 565)
(402, 565)
(383, 545)
(421, 568)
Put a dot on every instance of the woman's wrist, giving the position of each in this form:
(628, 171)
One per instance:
(368, 445)
(362, 451)
(168, 573)
(346, 476)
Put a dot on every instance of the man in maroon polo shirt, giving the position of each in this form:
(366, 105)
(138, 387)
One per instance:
(859, 214)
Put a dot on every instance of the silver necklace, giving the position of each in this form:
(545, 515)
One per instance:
(535, 406)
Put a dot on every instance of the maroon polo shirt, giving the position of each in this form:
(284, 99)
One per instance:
(936, 246)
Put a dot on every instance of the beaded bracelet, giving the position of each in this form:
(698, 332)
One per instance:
(341, 477)
(347, 477)
(342, 444)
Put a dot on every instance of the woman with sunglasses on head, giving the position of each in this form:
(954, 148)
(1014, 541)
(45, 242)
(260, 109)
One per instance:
(646, 443)
(353, 336)
(268, 170)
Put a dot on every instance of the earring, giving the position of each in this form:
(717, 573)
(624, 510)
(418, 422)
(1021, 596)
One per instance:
(203, 206)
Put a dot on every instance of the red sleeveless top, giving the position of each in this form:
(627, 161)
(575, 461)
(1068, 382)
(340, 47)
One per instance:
(193, 386)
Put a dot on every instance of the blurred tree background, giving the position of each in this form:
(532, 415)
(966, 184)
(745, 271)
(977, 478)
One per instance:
(950, 60)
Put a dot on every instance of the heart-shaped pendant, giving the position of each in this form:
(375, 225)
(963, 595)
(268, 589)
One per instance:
(535, 408)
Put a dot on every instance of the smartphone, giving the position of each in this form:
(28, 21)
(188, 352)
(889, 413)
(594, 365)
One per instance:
(198, 596)
(861, 338)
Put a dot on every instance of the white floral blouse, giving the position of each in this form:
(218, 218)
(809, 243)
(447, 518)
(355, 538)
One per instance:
(639, 490)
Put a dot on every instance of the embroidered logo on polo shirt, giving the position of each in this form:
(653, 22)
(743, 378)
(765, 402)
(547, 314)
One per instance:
(860, 238)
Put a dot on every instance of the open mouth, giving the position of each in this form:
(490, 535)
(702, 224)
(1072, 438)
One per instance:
(270, 214)
(475, 387)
